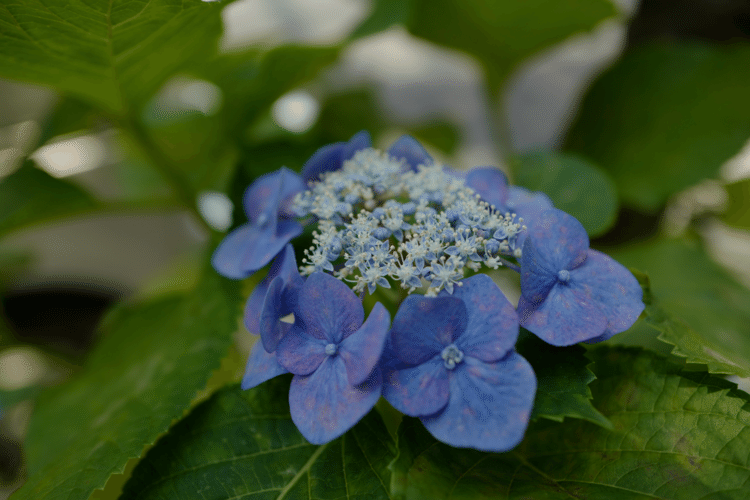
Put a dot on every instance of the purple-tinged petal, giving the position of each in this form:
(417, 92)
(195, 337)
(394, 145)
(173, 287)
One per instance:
(324, 405)
(328, 309)
(611, 287)
(417, 390)
(527, 205)
(559, 239)
(264, 198)
(300, 353)
(362, 349)
(489, 405)
(267, 244)
(491, 184)
(423, 326)
(284, 265)
(272, 329)
(409, 149)
(360, 140)
(567, 316)
(326, 159)
(229, 257)
(492, 327)
(536, 279)
(261, 366)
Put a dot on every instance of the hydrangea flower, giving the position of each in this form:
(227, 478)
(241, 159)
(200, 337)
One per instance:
(334, 358)
(331, 157)
(273, 299)
(251, 246)
(492, 185)
(451, 362)
(571, 293)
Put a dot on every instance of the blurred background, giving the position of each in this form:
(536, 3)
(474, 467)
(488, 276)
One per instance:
(85, 219)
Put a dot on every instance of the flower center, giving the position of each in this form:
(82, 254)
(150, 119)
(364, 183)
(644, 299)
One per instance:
(451, 355)
(331, 349)
(261, 220)
(563, 276)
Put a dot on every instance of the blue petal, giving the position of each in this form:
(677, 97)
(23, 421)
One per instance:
(361, 350)
(417, 390)
(324, 406)
(613, 288)
(231, 252)
(326, 159)
(409, 149)
(360, 140)
(300, 353)
(284, 265)
(567, 316)
(557, 241)
(269, 193)
(423, 326)
(261, 366)
(272, 329)
(492, 327)
(527, 205)
(328, 309)
(490, 183)
(489, 405)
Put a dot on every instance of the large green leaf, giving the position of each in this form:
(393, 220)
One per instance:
(110, 53)
(666, 116)
(243, 444)
(697, 305)
(502, 33)
(738, 206)
(563, 377)
(676, 436)
(150, 363)
(574, 185)
(30, 196)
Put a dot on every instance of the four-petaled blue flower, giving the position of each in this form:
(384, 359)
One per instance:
(251, 246)
(571, 293)
(450, 361)
(334, 358)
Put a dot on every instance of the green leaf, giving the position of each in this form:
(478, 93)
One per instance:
(574, 185)
(385, 13)
(109, 53)
(738, 211)
(563, 378)
(675, 435)
(665, 117)
(152, 360)
(30, 196)
(698, 307)
(244, 444)
(502, 33)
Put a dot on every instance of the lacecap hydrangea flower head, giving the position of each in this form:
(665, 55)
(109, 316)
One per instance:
(400, 220)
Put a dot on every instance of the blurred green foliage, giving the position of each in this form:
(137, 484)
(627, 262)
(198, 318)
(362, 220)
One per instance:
(661, 118)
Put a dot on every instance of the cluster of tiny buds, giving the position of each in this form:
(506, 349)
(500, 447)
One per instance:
(379, 221)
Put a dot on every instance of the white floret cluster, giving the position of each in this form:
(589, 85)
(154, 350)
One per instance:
(380, 222)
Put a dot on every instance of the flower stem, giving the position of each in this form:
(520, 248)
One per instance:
(509, 264)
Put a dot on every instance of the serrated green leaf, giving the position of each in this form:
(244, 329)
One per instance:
(676, 435)
(110, 53)
(502, 33)
(243, 444)
(737, 212)
(574, 185)
(563, 377)
(152, 360)
(698, 307)
(30, 196)
(664, 117)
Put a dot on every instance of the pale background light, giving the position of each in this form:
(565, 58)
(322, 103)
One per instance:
(216, 208)
(296, 111)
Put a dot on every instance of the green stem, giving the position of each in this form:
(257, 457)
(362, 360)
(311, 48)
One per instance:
(182, 188)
